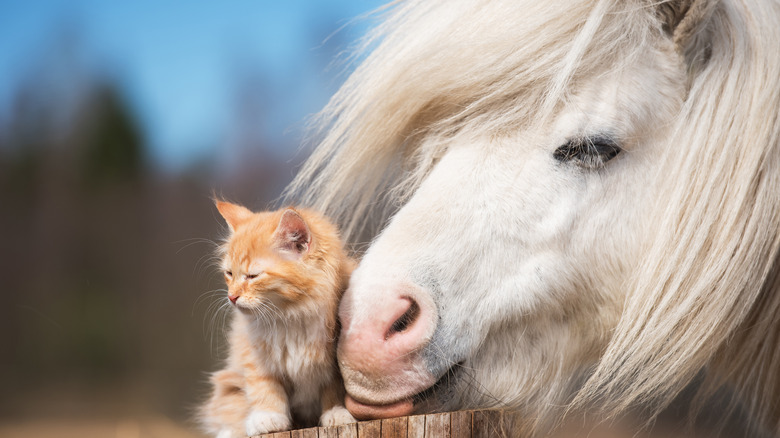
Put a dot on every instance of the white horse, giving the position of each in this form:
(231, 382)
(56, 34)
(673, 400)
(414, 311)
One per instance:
(573, 205)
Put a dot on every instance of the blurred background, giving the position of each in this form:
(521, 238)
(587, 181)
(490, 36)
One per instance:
(118, 120)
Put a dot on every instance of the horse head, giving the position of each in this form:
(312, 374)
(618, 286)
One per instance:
(577, 214)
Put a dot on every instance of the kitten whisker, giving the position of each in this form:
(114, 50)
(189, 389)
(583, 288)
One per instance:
(207, 295)
(262, 316)
(217, 323)
(193, 241)
(204, 262)
(278, 312)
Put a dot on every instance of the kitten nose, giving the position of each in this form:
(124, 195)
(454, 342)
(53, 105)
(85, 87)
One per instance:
(233, 298)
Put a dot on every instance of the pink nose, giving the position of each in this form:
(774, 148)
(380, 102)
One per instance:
(403, 313)
(233, 298)
(378, 343)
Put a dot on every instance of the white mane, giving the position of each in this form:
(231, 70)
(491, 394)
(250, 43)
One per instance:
(428, 79)
(706, 295)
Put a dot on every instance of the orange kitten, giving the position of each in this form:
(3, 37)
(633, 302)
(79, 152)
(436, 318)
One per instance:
(285, 271)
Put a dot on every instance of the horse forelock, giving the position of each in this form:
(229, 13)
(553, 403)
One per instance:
(707, 286)
(442, 70)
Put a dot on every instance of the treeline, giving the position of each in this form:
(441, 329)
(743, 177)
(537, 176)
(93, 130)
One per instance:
(108, 292)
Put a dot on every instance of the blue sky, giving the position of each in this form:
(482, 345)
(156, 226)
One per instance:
(179, 61)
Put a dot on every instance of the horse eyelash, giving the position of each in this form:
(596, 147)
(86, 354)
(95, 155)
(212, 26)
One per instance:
(590, 152)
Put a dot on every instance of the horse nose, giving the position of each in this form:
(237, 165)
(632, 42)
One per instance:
(384, 334)
(233, 298)
(379, 339)
(408, 312)
(396, 328)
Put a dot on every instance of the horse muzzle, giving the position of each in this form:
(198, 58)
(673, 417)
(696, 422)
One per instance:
(379, 349)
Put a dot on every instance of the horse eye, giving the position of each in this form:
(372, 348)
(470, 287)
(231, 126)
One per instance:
(589, 152)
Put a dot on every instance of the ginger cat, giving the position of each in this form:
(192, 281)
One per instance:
(285, 271)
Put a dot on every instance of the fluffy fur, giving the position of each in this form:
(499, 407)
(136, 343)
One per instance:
(560, 288)
(285, 271)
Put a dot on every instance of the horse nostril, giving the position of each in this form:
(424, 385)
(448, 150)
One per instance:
(405, 320)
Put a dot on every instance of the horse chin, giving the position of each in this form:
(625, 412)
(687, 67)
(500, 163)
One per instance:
(430, 399)
(366, 411)
(372, 395)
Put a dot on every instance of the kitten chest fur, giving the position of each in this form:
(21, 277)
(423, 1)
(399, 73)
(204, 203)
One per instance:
(297, 351)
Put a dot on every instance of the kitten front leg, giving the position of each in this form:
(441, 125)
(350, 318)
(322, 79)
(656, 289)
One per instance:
(269, 406)
(333, 411)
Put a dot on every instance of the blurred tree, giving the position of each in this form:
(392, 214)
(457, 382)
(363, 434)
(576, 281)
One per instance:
(113, 149)
(108, 300)
(24, 143)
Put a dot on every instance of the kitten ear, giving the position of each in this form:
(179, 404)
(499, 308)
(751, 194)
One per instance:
(233, 214)
(292, 234)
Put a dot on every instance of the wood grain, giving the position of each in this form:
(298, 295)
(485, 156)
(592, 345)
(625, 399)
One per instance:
(328, 432)
(460, 424)
(369, 429)
(304, 433)
(487, 424)
(394, 427)
(437, 425)
(416, 427)
(348, 430)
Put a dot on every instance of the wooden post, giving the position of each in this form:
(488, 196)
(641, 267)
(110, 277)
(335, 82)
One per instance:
(459, 424)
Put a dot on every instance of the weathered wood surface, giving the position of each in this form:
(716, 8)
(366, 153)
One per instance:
(460, 424)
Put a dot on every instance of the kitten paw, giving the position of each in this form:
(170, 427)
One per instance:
(226, 433)
(260, 422)
(335, 416)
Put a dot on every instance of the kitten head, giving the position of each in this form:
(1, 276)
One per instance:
(279, 262)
